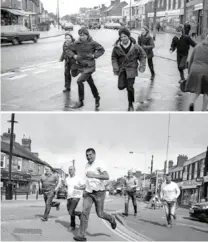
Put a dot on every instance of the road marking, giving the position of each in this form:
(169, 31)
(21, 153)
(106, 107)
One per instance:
(17, 77)
(27, 69)
(38, 72)
(7, 74)
(193, 226)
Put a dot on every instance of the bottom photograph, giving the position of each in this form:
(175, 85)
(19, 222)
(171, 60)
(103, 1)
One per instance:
(104, 177)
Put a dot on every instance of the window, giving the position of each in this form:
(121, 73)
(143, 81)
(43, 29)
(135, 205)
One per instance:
(196, 170)
(176, 4)
(185, 173)
(19, 165)
(190, 172)
(3, 160)
(202, 168)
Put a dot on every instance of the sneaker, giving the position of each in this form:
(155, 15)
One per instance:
(73, 226)
(79, 238)
(174, 216)
(97, 102)
(113, 224)
(191, 107)
(58, 207)
(125, 214)
(44, 219)
(79, 104)
(152, 78)
(67, 90)
(169, 226)
(135, 214)
(130, 108)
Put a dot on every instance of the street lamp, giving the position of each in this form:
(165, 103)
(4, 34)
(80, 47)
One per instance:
(130, 15)
(167, 150)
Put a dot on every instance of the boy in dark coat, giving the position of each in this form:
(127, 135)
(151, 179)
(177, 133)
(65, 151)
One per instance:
(85, 50)
(147, 43)
(125, 56)
(68, 61)
(182, 43)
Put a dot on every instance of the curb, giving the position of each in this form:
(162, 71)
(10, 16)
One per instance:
(135, 233)
(52, 36)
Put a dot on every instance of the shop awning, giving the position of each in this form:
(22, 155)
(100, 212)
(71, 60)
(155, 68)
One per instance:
(17, 12)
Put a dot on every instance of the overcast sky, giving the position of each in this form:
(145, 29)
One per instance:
(71, 6)
(60, 138)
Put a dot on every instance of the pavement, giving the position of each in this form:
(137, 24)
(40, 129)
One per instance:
(22, 221)
(33, 79)
(53, 32)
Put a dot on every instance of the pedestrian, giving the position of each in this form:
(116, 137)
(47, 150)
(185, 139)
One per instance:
(50, 184)
(68, 61)
(158, 26)
(193, 31)
(75, 185)
(169, 194)
(187, 28)
(96, 175)
(146, 41)
(85, 51)
(130, 184)
(182, 43)
(197, 81)
(125, 56)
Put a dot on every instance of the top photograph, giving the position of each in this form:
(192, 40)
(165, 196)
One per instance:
(104, 56)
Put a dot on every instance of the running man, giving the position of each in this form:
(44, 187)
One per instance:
(96, 175)
(131, 184)
(75, 185)
(169, 194)
(50, 184)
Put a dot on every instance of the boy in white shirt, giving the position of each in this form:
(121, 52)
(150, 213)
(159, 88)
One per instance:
(169, 194)
(75, 185)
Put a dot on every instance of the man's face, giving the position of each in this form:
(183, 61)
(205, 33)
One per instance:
(83, 37)
(143, 31)
(90, 157)
(71, 171)
(124, 39)
(168, 179)
(47, 170)
(129, 173)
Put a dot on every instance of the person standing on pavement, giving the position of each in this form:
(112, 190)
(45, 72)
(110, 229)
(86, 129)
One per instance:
(68, 62)
(147, 43)
(96, 175)
(130, 184)
(197, 81)
(125, 56)
(187, 28)
(169, 194)
(50, 184)
(75, 185)
(85, 51)
(182, 43)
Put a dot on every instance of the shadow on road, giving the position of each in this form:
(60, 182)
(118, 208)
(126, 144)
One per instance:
(97, 235)
(13, 46)
(67, 226)
(179, 100)
(194, 219)
(41, 216)
(152, 222)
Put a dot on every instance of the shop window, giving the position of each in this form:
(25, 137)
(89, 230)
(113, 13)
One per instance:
(189, 172)
(192, 170)
(184, 173)
(196, 170)
(3, 160)
(19, 165)
(202, 168)
(176, 4)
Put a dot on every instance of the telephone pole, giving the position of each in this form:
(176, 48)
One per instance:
(155, 18)
(58, 13)
(184, 15)
(130, 16)
(152, 164)
(205, 15)
(9, 192)
(167, 168)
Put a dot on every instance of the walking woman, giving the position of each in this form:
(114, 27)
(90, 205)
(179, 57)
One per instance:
(197, 82)
(68, 61)
(125, 56)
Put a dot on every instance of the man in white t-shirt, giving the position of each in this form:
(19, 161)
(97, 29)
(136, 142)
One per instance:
(75, 185)
(95, 177)
(169, 194)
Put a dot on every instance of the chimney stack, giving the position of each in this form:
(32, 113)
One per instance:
(6, 137)
(170, 164)
(26, 143)
(112, 3)
(181, 159)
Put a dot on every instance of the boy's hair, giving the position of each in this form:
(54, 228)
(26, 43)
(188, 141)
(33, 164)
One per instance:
(90, 149)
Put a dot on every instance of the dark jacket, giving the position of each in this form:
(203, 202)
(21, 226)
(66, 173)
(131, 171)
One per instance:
(64, 56)
(86, 53)
(198, 69)
(128, 62)
(187, 28)
(147, 43)
(182, 45)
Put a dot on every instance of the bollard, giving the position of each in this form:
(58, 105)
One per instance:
(37, 195)
(15, 195)
(27, 196)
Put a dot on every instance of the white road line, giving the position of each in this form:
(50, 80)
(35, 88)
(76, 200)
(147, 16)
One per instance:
(28, 69)
(38, 72)
(7, 74)
(37, 65)
(17, 77)
(193, 226)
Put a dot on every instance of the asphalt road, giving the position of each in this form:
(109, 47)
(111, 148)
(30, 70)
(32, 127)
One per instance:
(33, 79)
(20, 220)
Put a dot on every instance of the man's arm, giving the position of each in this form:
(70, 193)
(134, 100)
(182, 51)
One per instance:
(173, 44)
(178, 192)
(161, 193)
(102, 176)
(58, 184)
(70, 51)
(191, 42)
(98, 50)
(150, 46)
(142, 58)
(114, 62)
(191, 61)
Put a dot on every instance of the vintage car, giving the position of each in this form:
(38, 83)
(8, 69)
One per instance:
(68, 26)
(199, 211)
(112, 26)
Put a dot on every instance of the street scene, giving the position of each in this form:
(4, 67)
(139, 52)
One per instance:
(33, 78)
(49, 186)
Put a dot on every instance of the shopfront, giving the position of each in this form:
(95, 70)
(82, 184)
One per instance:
(206, 187)
(12, 16)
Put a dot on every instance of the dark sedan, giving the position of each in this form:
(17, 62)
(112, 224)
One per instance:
(199, 211)
(16, 34)
(62, 193)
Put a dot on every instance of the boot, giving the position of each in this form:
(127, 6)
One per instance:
(79, 104)
(97, 102)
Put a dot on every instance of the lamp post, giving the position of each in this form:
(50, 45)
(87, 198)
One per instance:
(155, 17)
(130, 15)
(9, 191)
(58, 13)
(168, 140)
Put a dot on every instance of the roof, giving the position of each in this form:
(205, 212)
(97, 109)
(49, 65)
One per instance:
(176, 168)
(195, 158)
(19, 151)
(17, 12)
(116, 5)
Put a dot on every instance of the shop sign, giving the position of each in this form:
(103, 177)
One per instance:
(150, 15)
(199, 180)
(190, 183)
(205, 179)
(15, 176)
(198, 6)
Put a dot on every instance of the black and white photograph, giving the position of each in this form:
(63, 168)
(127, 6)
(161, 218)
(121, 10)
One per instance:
(107, 177)
(104, 55)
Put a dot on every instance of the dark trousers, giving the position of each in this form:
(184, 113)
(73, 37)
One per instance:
(98, 198)
(67, 75)
(181, 61)
(128, 83)
(170, 208)
(151, 66)
(86, 77)
(71, 206)
(132, 196)
(48, 198)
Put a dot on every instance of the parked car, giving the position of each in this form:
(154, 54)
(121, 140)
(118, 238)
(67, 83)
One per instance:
(16, 34)
(112, 26)
(68, 26)
(62, 193)
(199, 211)
(94, 26)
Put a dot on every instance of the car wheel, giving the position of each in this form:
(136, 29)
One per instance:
(35, 39)
(15, 41)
